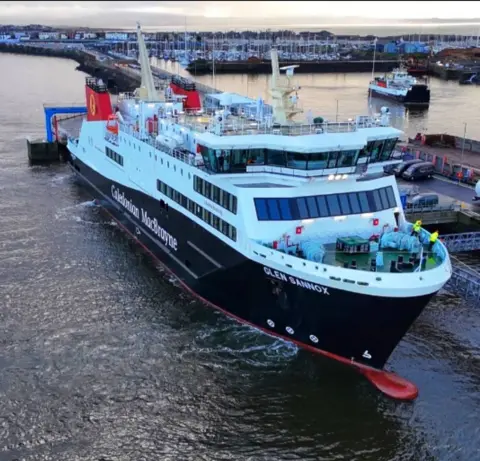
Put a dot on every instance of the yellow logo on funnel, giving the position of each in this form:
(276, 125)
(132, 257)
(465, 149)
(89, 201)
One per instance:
(93, 107)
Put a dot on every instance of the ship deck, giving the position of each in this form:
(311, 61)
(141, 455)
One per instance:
(333, 257)
(242, 125)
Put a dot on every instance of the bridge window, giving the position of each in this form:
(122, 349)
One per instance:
(374, 148)
(236, 160)
(256, 157)
(277, 158)
(347, 158)
(388, 148)
(332, 159)
(206, 216)
(297, 161)
(111, 154)
(317, 161)
(288, 209)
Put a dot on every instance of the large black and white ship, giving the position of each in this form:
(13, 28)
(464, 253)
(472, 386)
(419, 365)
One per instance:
(273, 221)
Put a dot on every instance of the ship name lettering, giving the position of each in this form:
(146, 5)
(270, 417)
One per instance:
(295, 281)
(125, 202)
(153, 225)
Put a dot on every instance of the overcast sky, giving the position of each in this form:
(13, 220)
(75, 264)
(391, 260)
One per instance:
(227, 15)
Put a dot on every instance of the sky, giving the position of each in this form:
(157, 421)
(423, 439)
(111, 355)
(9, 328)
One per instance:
(231, 15)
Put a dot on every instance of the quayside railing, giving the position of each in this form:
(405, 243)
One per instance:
(456, 243)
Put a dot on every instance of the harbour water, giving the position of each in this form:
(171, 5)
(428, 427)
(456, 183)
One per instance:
(343, 96)
(104, 357)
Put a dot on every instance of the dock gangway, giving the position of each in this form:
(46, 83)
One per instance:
(456, 243)
(465, 281)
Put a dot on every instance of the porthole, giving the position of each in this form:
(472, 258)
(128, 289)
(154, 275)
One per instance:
(289, 330)
(271, 323)
(313, 338)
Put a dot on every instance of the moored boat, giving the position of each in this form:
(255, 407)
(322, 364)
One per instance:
(401, 87)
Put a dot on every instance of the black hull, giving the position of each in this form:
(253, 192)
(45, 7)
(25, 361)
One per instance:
(360, 330)
(417, 96)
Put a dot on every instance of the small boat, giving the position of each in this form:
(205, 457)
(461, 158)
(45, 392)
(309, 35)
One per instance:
(401, 87)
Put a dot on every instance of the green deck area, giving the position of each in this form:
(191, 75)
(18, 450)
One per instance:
(338, 258)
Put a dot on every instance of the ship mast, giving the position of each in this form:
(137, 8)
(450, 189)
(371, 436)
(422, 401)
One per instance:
(281, 89)
(147, 90)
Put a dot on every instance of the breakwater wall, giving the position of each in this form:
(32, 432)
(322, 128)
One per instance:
(116, 80)
(265, 67)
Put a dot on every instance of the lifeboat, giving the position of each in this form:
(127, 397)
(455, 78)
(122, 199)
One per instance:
(112, 124)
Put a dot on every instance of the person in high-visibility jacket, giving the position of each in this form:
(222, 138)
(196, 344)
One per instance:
(417, 227)
(433, 239)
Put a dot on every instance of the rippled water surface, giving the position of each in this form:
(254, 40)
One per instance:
(104, 357)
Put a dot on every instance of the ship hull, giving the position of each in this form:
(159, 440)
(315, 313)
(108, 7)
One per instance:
(357, 329)
(418, 95)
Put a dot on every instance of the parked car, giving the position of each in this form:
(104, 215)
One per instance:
(401, 167)
(423, 200)
(422, 170)
(389, 169)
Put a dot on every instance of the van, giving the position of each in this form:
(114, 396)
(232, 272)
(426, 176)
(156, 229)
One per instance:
(400, 168)
(389, 169)
(423, 200)
(422, 170)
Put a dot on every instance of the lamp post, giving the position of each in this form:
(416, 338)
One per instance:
(336, 113)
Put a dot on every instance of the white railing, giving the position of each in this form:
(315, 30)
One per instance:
(184, 156)
(239, 125)
(304, 265)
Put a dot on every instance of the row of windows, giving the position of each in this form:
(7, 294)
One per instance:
(114, 156)
(226, 161)
(205, 215)
(215, 194)
(323, 206)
